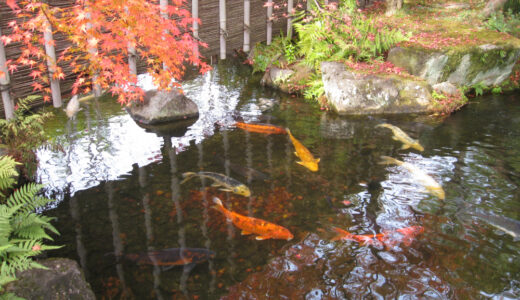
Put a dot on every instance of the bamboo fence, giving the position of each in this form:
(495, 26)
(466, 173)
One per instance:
(235, 35)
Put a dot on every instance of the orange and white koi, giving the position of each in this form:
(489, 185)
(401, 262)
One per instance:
(261, 128)
(307, 160)
(389, 238)
(262, 229)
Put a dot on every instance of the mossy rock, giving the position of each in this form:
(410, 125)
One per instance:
(486, 64)
(355, 93)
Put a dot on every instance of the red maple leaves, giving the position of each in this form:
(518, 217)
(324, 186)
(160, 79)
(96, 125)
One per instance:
(99, 34)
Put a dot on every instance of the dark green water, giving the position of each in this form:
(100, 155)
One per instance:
(119, 191)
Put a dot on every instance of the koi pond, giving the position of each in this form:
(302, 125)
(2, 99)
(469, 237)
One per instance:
(138, 233)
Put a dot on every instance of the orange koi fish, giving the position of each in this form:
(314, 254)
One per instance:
(389, 239)
(307, 160)
(263, 229)
(261, 128)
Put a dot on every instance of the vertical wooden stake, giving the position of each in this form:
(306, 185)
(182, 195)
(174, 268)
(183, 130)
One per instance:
(132, 54)
(195, 16)
(269, 21)
(223, 29)
(51, 64)
(290, 8)
(4, 84)
(94, 52)
(163, 8)
(247, 23)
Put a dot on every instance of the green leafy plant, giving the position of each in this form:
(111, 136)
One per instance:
(438, 96)
(496, 90)
(479, 88)
(23, 134)
(22, 230)
(504, 22)
(314, 88)
(341, 34)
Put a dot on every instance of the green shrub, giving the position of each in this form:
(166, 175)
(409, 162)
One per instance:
(22, 230)
(23, 134)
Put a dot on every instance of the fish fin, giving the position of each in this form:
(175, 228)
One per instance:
(387, 160)
(405, 146)
(288, 131)
(261, 238)
(166, 268)
(296, 153)
(215, 184)
(218, 203)
(317, 160)
(187, 176)
(301, 163)
(225, 190)
(395, 139)
(246, 232)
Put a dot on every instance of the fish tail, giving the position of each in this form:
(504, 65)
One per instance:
(341, 234)
(387, 160)
(187, 176)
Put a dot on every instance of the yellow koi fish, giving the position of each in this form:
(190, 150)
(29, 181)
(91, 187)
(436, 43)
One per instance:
(424, 179)
(249, 225)
(307, 160)
(401, 136)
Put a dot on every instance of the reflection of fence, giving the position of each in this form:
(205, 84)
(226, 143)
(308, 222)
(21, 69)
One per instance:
(209, 32)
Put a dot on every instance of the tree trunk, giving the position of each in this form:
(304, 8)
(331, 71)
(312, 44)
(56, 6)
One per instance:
(492, 6)
(392, 6)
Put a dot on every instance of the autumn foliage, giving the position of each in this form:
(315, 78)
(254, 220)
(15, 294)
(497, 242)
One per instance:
(100, 33)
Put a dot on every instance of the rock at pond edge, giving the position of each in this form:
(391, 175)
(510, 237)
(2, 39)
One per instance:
(349, 92)
(63, 280)
(163, 106)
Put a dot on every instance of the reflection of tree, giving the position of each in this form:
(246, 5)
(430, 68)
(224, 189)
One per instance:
(116, 234)
(228, 203)
(174, 186)
(149, 231)
(205, 218)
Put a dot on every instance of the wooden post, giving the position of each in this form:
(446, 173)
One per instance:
(290, 8)
(223, 29)
(163, 11)
(247, 23)
(51, 64)
(195, 16)
(132, 54)
(93, 51)
(4, 84)
(269, 21)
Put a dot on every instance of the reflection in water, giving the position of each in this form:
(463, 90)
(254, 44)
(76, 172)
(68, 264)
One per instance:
(116, 236)
(149, 230)
(473, 154)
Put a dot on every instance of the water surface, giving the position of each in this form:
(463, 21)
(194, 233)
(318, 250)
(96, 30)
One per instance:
(119, 192)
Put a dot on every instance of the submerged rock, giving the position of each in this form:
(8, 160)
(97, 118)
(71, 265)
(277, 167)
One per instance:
(63, 280)
(487, 64)
(349, 92)
(162, 106)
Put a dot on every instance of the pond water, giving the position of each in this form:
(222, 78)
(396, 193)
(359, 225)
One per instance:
(119, 192)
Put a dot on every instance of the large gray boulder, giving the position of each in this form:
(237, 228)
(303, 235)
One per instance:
(355, 93)
(64, 280)
(487, 64)
(162, 106)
